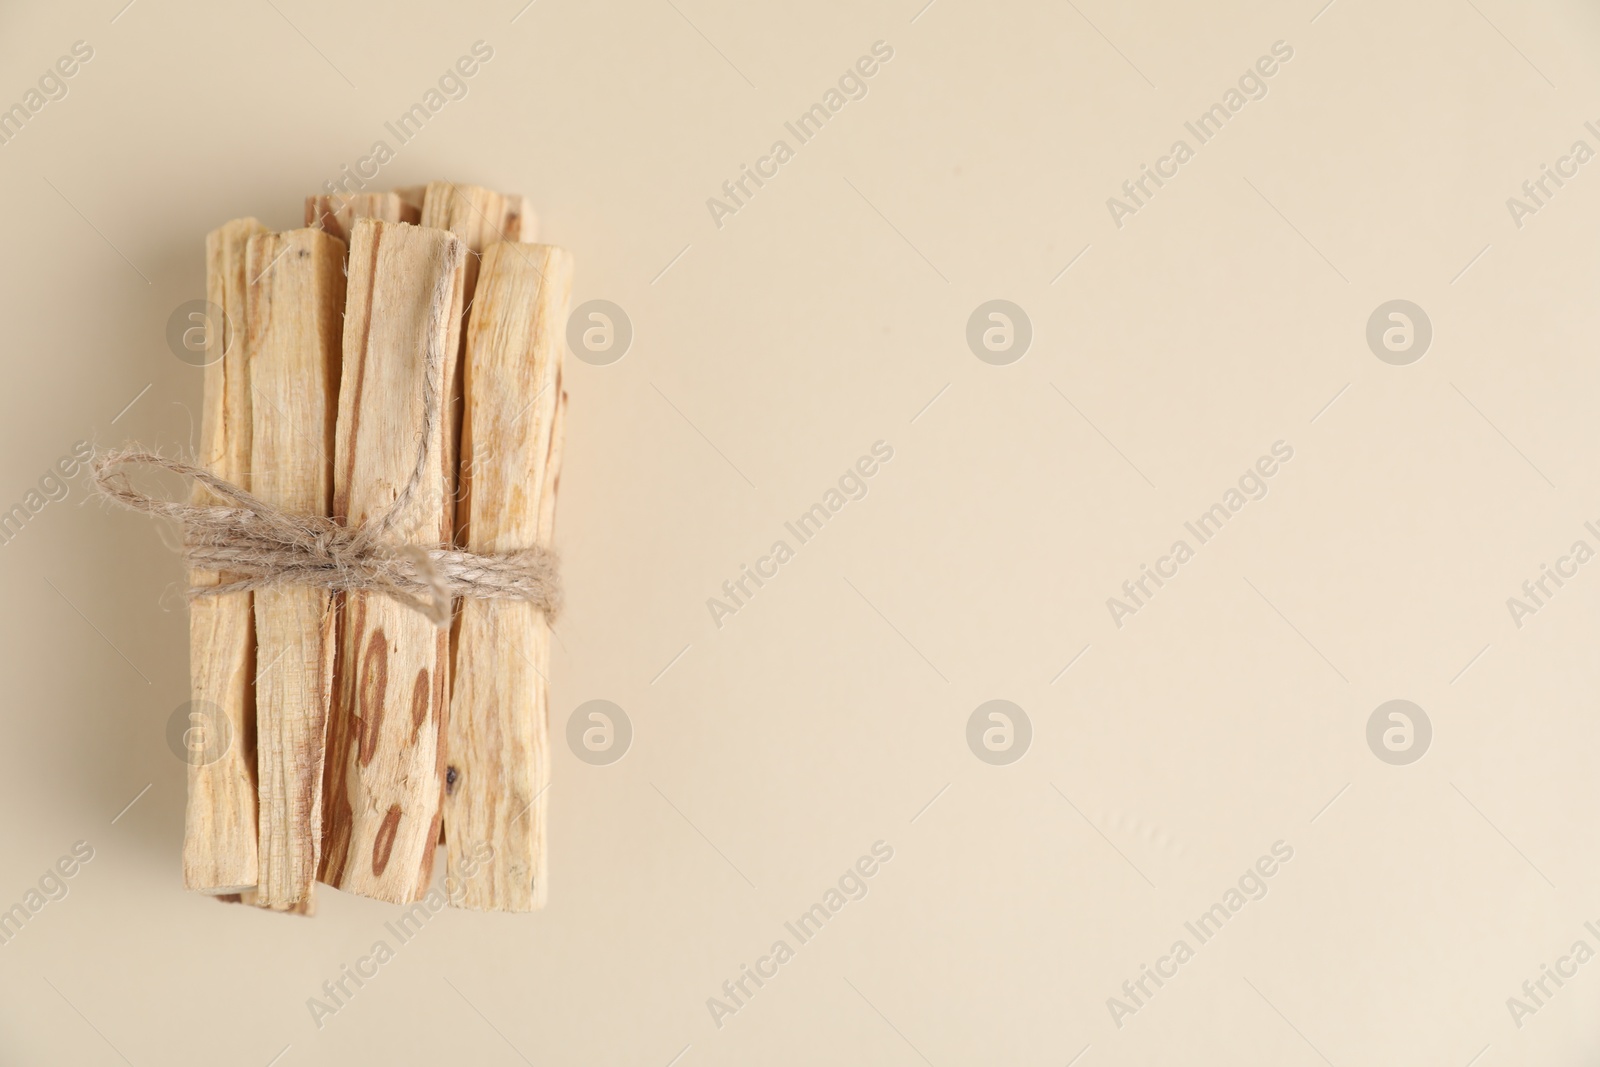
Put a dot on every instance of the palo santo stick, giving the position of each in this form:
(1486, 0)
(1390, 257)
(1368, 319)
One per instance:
(498, 734)
(338, 213)
(480, 217)
(385, 764)
(477, 216)
(219, 826)
(558, 453)
(471, 212)
(295, 301)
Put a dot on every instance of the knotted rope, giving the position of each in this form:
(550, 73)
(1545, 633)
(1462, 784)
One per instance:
(258, 545)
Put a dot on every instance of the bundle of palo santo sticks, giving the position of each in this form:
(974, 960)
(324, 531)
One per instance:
(362, 732)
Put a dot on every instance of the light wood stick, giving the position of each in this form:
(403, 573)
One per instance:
(385, 760)
(219, 826)
(471, 212)
(477, 216)
(498, 740)
(337, 214)
(295, 300)
(558, 454)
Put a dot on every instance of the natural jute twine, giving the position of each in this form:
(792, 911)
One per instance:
(257, 545)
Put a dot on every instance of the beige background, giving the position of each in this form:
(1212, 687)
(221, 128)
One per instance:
(769, 754)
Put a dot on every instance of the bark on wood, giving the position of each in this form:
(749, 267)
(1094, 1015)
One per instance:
(385, 760)
(498, 736)
(219, 833)
(295, 301)
(522, 223)
(337, 213)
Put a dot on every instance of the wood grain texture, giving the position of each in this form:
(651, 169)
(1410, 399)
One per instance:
(471, 212)
(498, 737)
(219, 827)
(295, 301)
(477, 216)
(558, 451)
(345, 210)
(385, 760)
(336, 214)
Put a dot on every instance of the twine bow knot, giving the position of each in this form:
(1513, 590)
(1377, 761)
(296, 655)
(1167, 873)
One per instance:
(258, 545)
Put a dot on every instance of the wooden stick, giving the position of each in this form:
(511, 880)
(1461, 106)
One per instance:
(480, 217)
(385, 763)
(499, 761)
(477, 216)
(337, 214)
(558, 455)
(295, 301)
(471, 212)
(219, 826)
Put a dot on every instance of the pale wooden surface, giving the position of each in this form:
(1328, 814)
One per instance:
(558, 451)
(219, 830)
(336, 214)
(295, 302)
(478, 216)
(475, 214)
(384, 757)
(498, 738)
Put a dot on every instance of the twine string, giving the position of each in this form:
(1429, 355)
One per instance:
(258, 545)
